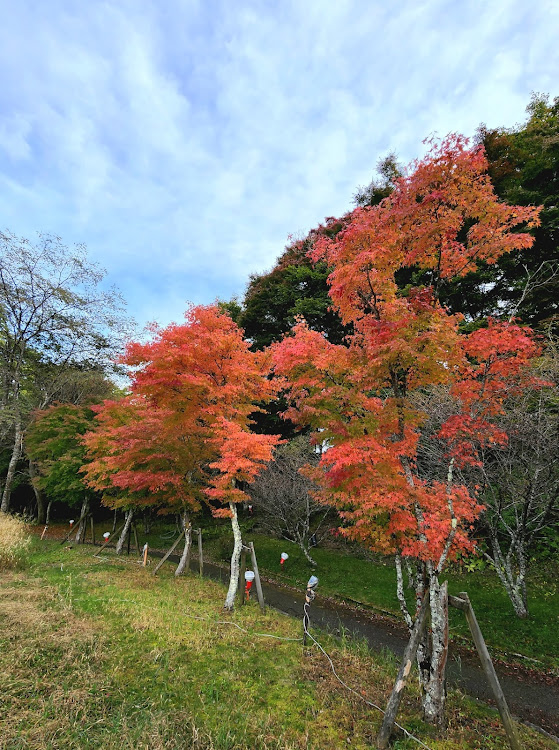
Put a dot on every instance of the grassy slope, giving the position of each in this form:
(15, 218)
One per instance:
(100, 654)
(374, 584)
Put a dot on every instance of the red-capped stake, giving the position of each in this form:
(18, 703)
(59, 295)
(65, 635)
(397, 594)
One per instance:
(283, 558)
(249, 578)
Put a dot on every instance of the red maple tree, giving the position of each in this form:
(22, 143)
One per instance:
(187, 433)
(442, 219)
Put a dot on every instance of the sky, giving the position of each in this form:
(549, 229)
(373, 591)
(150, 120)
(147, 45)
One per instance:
(185, 141)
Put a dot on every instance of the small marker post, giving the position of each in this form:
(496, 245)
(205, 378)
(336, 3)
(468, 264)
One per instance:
(309, 597)
(283, 557)
(44, 531)
(145, 561)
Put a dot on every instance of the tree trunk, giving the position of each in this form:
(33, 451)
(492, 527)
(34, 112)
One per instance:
(433, 674)
(514, 584)
(41, 506)
(82, 525)
(235, 557)
(301, 543)
(307, 555)
(184, 562)
(16, 453)
(47, 517)
(124, 533)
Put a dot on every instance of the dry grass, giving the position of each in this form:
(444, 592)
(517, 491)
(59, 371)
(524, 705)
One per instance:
(14, 541)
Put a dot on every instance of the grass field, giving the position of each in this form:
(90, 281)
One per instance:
(99, 654)
(373, 583)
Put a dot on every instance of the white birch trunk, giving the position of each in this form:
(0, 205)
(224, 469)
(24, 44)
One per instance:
(235, 558)
(16, 454)
(434, 687)
(82, 525)
(185, 557)
(513, 583)
(124, 532)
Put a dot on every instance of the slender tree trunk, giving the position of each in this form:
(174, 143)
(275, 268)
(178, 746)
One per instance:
(82, 525)
(307, 555)
(184, 562)
(47, 517)
(235, 557)
(513, 583)
(16, 454)
(433, 683)
(124, 533)
(41, 506)
(304, 550)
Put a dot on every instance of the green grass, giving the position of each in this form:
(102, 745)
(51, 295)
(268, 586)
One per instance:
(100, 654)
(373, 583)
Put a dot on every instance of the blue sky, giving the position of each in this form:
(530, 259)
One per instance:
(183, 141)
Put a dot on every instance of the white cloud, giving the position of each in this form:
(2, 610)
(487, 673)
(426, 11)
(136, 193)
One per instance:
(183, 141)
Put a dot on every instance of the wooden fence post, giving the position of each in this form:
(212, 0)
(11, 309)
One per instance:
(169, 552)
(242, 570)
(256, 576)
(73, 529)
(488, 668)
(136, 538)
(109, 538)
(200, 554)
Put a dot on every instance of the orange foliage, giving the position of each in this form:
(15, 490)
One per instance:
(442, 219)
(185, 434)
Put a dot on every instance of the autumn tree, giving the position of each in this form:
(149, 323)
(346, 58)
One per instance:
(198, 383)
(442, 218)
(138, 457)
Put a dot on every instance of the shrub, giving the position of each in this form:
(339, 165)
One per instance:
(14, 541)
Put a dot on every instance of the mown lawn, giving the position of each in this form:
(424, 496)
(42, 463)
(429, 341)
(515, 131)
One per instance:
(100, 654)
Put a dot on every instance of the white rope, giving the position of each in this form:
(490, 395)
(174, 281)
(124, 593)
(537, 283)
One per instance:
(243, 630)
(351, 690)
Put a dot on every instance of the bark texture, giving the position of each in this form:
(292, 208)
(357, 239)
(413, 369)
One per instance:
(82, 525)
(235, 559)
(122, 538)
(16, 455)
(184, 562)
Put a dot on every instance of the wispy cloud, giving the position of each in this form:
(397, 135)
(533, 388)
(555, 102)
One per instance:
(183, 141)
